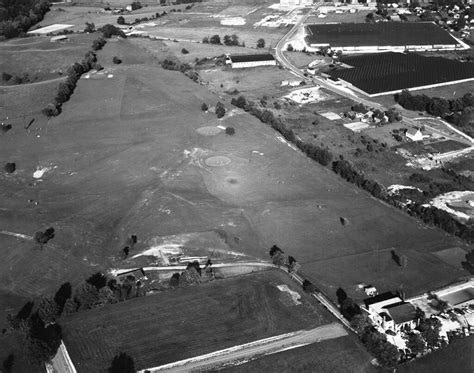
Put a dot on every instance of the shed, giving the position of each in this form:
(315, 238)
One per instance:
(58, 38)
(250, 60)
(414, 134)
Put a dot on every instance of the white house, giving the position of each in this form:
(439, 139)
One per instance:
(250, 60)
(414, 134)
(389, 311)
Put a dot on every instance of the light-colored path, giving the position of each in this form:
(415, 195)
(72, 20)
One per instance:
(249, 350)
(18, 235)
(35, 83)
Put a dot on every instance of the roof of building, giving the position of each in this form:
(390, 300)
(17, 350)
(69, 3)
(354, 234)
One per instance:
(459, 297)
(380, 298)
(251, 57)
(388, 72)
(379, 34)
(412, 132)
(401, 312)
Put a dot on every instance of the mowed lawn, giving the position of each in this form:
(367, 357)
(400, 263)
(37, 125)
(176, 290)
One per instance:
(189, 322)
(341, 355)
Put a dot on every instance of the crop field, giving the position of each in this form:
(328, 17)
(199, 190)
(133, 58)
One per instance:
(385, 72)
(189, 322)
(40, 58)
(339, 355)
(379, 34)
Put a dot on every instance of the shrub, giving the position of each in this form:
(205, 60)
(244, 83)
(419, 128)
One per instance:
(289, 48)
(121, 20)
(204, 107)
(220, 110)
(215, 39)
(184, 51)
(51, 110)
(261, 43)
(97, 44)
(230, 131)
(110, 30)
(116, 60)
(10, 167)
(90, 27)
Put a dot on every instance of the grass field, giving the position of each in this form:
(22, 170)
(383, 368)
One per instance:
(336, 356)
(189, 322)
(42, 59)
(124, 157)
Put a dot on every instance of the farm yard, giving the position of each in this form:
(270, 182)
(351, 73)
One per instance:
(380, 73)
(211, 317)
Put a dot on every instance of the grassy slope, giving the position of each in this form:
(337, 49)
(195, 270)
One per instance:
(189, 322)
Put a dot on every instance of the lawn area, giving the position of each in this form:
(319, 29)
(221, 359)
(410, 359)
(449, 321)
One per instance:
(339, 355)
(457, 357)
(189, 322)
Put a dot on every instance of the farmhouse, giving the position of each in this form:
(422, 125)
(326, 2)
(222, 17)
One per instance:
(250, 60)
(389, 311)
(382, 36)
(388, 73)
(414, 134)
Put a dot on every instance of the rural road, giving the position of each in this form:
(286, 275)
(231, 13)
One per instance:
(254, 349)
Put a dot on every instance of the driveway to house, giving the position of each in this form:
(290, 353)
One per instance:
(253, 349)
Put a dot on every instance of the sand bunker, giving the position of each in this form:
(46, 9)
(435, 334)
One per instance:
(217, 161)
(208, 131)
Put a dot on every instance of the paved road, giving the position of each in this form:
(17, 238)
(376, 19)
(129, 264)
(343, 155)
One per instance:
(257, 348)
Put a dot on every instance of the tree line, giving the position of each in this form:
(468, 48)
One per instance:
(348, 171)
(89, 62)
(17, 16)
(458, 111)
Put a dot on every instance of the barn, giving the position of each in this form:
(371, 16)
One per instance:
(250, 60)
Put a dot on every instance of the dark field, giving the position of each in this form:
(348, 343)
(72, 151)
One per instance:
(386, 72)
(335, 356)
(379, 34)
(190, 322)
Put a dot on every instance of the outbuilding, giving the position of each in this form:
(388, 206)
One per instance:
(250, 60)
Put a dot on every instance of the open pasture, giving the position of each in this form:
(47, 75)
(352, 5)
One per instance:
(189, 322)
(126, 159)
(42, 59)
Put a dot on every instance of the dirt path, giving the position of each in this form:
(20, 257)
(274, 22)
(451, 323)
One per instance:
(35, 83)
(254, 349)
(18, 235)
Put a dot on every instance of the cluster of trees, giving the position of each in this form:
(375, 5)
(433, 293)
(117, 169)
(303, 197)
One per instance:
(122, 363)
(42, 338)
(376, 343)
(10, 167)
(440, 218)
(261, 43)
(240, 102)
(350, 173)
(192, 275)
(16, 17)
(220, 110)
(17, 79)
(278, 258)
(229, 40)
(42, 238)
(66, 89)
(175, 65)
(459, 111)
